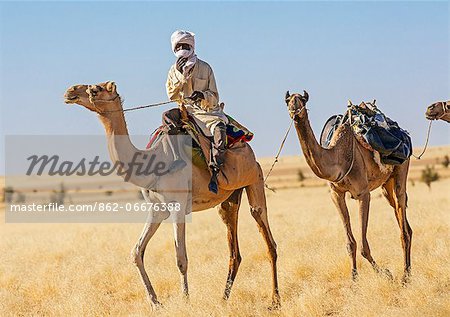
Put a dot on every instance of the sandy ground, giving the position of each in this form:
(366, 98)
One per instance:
(85, 269)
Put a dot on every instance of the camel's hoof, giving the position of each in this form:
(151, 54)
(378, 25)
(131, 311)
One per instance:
(406, 279)
(354, 275)
(383, 272)
(386, 273)
(156, 305)
(276, 305)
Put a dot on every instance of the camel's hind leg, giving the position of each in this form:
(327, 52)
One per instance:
(395, 192)
(339, 201)
(258, 208)
(229, 210)
(364, 207)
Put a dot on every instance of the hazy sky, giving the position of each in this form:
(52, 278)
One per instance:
(395, 52)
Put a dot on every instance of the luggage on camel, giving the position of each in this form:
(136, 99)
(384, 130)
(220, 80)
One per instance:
(374, 130)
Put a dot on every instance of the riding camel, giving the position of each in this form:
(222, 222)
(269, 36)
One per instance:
(104, 100)
(350, 167)
(439, 111)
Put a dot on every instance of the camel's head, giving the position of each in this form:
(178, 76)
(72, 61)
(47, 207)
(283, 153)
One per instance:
(296, 104)
(436, 110)
(99, 98)
(77, 94)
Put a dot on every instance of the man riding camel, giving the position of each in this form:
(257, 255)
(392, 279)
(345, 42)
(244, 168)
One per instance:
(191, 83)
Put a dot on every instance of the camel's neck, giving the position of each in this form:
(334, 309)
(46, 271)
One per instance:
(330, 164)
(135, 163)
(114, 123)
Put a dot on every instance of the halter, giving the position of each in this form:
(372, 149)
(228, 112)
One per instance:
(297, 112)
(445, 109)
(104, 100)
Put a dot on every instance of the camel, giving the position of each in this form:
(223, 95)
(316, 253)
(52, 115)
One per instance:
(350, 167)
(104, 100)
(439, 111)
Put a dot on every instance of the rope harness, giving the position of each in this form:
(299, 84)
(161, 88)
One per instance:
(445, 109)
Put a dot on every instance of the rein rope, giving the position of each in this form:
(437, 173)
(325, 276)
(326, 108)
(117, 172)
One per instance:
(426, 142)
(445, 109)
(283, 141)
(142, 107)
(133, 108)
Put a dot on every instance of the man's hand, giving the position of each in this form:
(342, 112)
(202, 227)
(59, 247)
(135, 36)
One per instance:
(197, 95)
(181, 61)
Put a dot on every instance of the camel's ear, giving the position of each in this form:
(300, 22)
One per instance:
(111, 86)
(305, 96)
(286, 98)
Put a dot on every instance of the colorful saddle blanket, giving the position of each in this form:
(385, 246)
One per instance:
(235, 132)
(373, 127)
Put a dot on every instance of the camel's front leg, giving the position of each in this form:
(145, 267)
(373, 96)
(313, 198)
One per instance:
(339, 201)
(179, 227)
(228, 211)
(153, 222)
(138, 257)
(258, 209)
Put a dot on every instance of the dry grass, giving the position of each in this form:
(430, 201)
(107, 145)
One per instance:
(85, 269)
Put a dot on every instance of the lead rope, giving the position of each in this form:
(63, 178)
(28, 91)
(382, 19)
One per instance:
(146, 106)
(277, 156)
(426, 142)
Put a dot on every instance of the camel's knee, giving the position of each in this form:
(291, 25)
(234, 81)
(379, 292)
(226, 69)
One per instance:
(160, 215)
(351, 247)
(136, 255)
(407, 234)
(274, 254)
(182, 264)
(366, 254)
(236, 260)
(256, 212)
(408, 228)
(401, 198)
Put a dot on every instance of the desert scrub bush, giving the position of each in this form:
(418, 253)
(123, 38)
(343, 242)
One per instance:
(8, 193)
(429, 175)
(300, 176)
(59, 195)
(446, 161)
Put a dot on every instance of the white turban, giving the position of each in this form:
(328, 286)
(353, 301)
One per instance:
(185, 37)
(181, 36)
